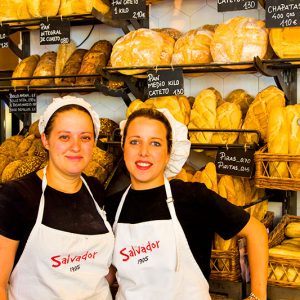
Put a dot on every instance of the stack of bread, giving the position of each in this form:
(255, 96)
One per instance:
(237, 190)
(67, 61)
(210, 111)
(178, 106)
(239, 39)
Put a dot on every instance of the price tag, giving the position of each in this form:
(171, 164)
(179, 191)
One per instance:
(4, 33)
(24, 102)
(128, 9)
(282, 13)
(165, 83)
(232, 5)
(54, 32)
(235, 162)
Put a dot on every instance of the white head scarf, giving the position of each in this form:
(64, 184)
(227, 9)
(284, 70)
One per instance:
(181, 145)
(68, 100)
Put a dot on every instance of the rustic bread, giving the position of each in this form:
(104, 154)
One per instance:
(239, 39)
(208, 176)
(95, 58)
(64, 52)
(43, 8)
(72, 67)
(25, 69)
(13, 10)
(172, 32)
(193, 47)
(203, 116)
(278, 140)
(257, 116)
(45, 67)
(142, 47)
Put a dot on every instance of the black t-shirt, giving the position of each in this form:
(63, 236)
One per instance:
(200, 211)
(76, 213)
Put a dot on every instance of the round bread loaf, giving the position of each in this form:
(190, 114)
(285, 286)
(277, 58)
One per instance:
(43, 8)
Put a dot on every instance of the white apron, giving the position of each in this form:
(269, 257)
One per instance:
(62, 265)
(154, 261)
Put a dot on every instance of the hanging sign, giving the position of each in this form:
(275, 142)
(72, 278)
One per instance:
(282, 13)
(128, 9)
(235, 162)
(4, 33)
(165, 83)
(232, 5)
(23, 102)
(55, 31)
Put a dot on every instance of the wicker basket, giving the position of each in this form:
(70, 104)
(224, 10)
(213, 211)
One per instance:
(262, 177)
(287, 265)
(225, 265)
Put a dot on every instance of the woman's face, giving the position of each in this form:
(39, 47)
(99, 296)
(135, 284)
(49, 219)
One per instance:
(146, 152)
(70, 142)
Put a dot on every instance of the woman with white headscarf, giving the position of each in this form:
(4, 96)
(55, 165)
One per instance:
(55, 242)
(164, 230)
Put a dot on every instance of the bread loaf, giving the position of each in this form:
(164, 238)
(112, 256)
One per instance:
(193, 47)
(257, 116)
(142, 47)
(96, 57)
(25, 69)
(43, 8)
(63, 54)
(45, 67)
(293, 119)
(203, 116)
(277, 137)
(239, 39)
(13, 10)
(172, 32)
(242, 98)
(72, 67)
(229, 116)
(208, 176)
(285, 41)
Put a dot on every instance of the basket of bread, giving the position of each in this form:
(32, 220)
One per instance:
(284, 253)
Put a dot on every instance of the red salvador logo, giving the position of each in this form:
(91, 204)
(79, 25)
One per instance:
(59, 260)
(136, 250)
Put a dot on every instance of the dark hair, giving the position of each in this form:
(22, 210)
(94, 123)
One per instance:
(153, 114)
(68, 107)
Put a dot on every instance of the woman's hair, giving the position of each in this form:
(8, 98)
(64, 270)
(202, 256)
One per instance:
(152, 114)
(68, 107)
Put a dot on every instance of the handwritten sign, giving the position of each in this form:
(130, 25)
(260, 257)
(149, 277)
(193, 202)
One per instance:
(128, 9)
(22, 102)
(234, 161)
(54, 32)
(232, 5)
(282, 13)
(4, 33)
(165, 83)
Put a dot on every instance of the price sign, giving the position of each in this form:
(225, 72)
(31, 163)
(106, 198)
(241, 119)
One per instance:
(282, 13)
(232, 5)
(4, 33)
(22, 102)
(54, 32)
(165, 83)
(235, 162)
(128, 9)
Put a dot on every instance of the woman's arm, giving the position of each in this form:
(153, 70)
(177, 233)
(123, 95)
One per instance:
(8, 250)
(111, 276)
(258, 253)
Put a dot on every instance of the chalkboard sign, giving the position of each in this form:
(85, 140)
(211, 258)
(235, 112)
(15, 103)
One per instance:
(282, 13)
(54, 32)
(128, 9)
(4, 33)
(235, 162)
(24, 102)
(165, 83)
(232, 5)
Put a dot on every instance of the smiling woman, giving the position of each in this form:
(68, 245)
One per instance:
(56, 212)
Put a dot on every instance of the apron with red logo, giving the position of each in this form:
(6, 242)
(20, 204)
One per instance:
(59, 265)
(154, 261)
